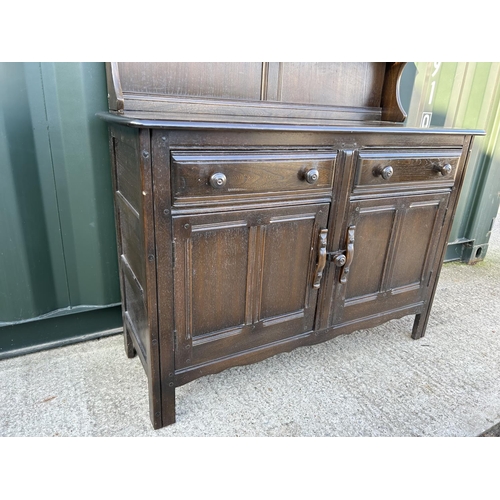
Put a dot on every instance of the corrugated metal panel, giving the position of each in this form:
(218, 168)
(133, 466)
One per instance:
(465, 95)
(57, 243)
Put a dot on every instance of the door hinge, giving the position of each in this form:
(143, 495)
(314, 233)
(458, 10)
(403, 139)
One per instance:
(175, 339)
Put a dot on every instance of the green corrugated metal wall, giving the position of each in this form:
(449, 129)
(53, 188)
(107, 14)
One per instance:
(57, 247)
(465, 95)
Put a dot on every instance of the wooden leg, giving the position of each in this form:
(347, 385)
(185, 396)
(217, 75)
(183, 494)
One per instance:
(168, 397)
(129, 346)
(419, 326)
(163, 414)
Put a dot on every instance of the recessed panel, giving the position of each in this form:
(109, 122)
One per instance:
(216, 267)
(135, 308)
(331, 84)
(128, 175)
(287, 251)
(132, 240)
(372, 237)
(224, 80)
(414, 243)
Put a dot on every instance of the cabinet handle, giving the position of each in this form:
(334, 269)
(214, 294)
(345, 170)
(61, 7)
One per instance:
(312, 176)
(321, 258)
(445, 169)
(384, 172)
(218, 180)
(349, 254)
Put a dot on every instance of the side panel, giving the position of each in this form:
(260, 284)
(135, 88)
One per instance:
(130, 234)
(131, 152)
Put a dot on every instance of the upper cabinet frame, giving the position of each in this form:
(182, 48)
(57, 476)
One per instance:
(267, 92)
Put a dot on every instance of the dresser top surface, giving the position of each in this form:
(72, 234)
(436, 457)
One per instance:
(166, 121)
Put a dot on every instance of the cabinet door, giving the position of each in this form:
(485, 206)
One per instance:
(244, 279)
(393, 252)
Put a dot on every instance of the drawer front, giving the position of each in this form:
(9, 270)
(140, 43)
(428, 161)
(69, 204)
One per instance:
(399, 169)
(202, 176)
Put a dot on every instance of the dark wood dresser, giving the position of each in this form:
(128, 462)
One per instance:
(265, 206)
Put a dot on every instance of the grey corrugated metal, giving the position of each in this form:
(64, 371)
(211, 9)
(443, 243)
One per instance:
(57, 239)
(465, 95)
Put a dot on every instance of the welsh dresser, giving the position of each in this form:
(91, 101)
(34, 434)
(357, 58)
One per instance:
(265, 206)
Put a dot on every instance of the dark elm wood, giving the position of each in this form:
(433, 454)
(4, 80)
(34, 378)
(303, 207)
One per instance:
(286, 92)
(136, 311)
(233, 80)
(164, 263)
(128, 342)
(262, 352)
(132, 238)
(137, 253)
(408, 167)
(149, 245)
(231, 291)
(115, 93)
(392, 110)
(128, 176)
(394, 254)
(336, 84)
(129, 345)
(421, 319)
(238, 241)
(327, 84)
(254, 173)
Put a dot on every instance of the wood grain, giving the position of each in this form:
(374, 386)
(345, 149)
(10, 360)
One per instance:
(218, 277)
(247, 172)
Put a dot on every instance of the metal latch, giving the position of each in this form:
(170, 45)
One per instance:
(338, 257)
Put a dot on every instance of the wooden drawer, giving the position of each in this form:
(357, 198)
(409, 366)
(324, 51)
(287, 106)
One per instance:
(216, 176)
(394, 170)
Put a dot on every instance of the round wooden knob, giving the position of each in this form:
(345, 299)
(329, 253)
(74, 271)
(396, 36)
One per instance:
(385, 172)
(218, 180)
(312, 176)
(444, 169)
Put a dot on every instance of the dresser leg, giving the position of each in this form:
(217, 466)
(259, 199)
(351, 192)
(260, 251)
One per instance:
(419, 326)
(168, 399)
(129, 346)
(164, 414)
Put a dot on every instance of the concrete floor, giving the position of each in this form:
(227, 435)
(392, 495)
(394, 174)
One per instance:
(376, 382)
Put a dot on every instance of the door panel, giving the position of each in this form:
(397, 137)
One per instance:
(287, 241)
(217, 254)
(374, 227)
(415, 242)
(243, 279)
(394, 254)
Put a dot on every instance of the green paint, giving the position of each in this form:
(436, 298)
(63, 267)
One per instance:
(58, 248)
(442, 93)
(467, 95)
(47, 333)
